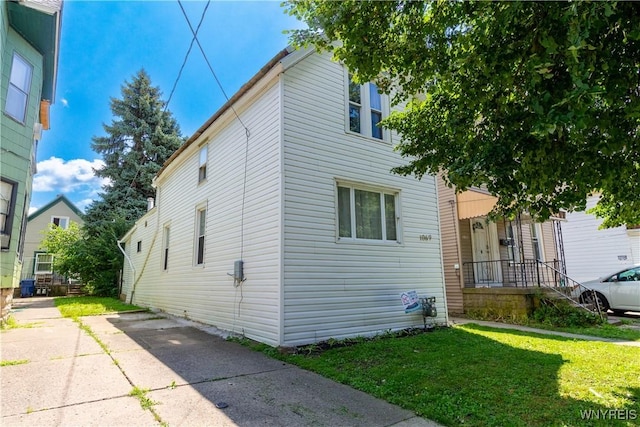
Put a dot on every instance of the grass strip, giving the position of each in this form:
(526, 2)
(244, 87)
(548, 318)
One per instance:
(13, 362)
(74, 307)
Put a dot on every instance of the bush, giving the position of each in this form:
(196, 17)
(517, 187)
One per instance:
(561, 314)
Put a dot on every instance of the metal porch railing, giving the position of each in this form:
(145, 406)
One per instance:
(530, 273)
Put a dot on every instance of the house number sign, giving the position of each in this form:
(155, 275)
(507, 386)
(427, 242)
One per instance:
(425, 237)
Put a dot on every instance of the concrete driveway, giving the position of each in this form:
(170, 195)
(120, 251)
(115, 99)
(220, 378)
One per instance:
(77, 375)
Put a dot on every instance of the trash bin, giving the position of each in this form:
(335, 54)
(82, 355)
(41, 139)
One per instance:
(27, 287)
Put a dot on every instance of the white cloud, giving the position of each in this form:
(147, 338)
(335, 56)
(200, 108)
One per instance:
(72, 176)
(65, 102)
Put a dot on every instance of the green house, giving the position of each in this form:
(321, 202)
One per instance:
(29, 43)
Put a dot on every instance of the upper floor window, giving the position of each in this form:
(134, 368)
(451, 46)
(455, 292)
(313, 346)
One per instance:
(366, 109)
(201, 222)
(365, 213)
(60, 221)
(7, 208)
(202, 165)
(165, 248)
(19, 87)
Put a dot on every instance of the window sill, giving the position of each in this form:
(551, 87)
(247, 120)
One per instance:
(369, 242)
(367, 137)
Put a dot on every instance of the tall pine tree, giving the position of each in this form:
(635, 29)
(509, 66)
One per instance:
(140, 138)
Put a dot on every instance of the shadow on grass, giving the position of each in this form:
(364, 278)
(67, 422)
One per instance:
(461, 376)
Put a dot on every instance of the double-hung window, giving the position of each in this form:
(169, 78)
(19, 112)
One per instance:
(43, 264)
(165, 249)
(7, 209)
(19, 87)
(367, 214)
(366, 109)
(202, 164)
(201, 223)
(536, 241)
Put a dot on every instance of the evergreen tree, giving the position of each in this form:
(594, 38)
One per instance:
(140, 138)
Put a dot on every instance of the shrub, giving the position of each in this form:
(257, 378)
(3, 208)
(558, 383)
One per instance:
(562, 314)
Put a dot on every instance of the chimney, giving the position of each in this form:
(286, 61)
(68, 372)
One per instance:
(150, 203)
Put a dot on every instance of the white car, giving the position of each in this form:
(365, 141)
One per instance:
(617, 292)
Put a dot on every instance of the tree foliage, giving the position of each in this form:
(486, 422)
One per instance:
(94, 259)
(140, 138)
(537, 101)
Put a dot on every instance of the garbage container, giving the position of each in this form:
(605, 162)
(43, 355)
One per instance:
(27, 287)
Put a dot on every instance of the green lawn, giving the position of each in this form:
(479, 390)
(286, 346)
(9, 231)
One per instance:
(622, 332)
(91, 306)
(478, 376)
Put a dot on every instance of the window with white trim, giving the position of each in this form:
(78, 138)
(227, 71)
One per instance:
(7, 208)
(201, 226)
(202, 164)
(19, 87)
(43, 264)
(165, 248)
(366, 109)
(367, 214)
(60, 221)
(536, 241)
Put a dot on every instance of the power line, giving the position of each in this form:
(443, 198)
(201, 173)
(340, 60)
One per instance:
(195, 37)
(187, 55)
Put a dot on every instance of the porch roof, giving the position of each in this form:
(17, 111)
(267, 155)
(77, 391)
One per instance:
(472, 204)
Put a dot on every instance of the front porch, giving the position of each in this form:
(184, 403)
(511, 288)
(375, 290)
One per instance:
(508, 273)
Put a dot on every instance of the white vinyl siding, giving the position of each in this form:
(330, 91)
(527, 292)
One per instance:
(333, 289)
(591, 253)
(206, 293)
(302, 285)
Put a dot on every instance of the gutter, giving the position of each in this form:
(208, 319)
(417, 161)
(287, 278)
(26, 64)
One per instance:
(227, 105)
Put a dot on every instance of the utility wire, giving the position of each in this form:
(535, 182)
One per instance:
(195, 37)
(188, 52)
(246, 153)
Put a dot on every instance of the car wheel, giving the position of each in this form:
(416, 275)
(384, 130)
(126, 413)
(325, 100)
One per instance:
(596, 299)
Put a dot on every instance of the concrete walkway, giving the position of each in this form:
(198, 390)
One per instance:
(194, 378)
(462, 321)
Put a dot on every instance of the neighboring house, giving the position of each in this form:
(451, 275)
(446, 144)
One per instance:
(304, 196)
(478, 253)
(592, 253)
(29, 40)
(37, 264)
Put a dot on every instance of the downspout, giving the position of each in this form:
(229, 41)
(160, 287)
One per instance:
(153, 241)
(133, 269)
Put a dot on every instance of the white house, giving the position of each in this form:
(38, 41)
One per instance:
(591, 252)
(292, 177)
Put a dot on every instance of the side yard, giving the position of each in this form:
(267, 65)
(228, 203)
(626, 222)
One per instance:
(479, 376)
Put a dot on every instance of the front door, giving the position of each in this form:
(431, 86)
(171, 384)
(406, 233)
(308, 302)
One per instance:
(484, 236)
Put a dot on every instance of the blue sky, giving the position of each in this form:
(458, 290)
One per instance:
(104, 43)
